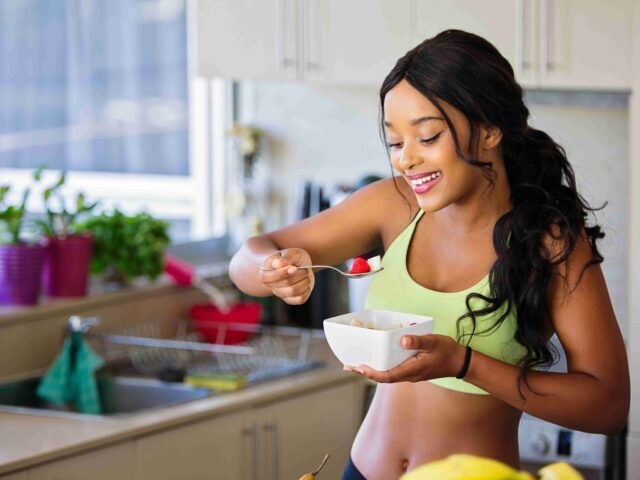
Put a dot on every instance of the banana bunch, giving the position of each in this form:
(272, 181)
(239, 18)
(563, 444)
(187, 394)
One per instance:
(470, 467)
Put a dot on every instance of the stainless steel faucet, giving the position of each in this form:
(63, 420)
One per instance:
(82, 324)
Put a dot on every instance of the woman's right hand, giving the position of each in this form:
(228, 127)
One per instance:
(285, 281)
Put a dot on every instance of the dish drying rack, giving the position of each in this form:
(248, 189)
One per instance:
(152, 348)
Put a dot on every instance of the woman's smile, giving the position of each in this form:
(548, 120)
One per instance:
(423, 182)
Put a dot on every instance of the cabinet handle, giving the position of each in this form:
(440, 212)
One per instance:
(521, 29)
(309, 34)
(545, 15)
(253, 433)
(285, 61)
(272, 427)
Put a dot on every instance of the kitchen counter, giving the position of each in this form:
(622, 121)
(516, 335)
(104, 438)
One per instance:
(29, 440)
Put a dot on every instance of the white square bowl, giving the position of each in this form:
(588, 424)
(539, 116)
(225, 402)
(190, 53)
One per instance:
(378, 348)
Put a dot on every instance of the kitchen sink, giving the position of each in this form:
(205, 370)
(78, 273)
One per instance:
(120, 396)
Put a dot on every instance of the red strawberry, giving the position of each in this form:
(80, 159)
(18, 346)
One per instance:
(359, 265)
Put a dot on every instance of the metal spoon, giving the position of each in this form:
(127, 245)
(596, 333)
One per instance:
(346, 274)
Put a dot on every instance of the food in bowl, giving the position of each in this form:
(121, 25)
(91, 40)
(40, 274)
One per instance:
(394, 326)
(374, 338)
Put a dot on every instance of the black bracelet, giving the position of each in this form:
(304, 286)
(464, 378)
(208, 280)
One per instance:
(467, 361)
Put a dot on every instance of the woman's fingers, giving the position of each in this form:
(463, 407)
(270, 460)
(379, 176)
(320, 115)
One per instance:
(298, 288)
(280, 274)
(413, 369)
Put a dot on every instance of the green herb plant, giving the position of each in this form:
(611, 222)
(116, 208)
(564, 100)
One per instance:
(12, 216)
(127, 247)
(63, 221)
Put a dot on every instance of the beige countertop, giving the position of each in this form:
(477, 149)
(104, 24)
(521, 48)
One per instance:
(28, 440)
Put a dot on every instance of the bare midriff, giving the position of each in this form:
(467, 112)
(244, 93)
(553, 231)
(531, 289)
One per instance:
(410, 424)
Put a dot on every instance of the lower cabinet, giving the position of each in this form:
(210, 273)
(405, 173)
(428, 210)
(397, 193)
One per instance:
(294, 435)
(16, 476)
(280, 440)
(215, 448)
(111, 463)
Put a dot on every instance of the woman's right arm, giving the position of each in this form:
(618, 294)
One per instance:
(352, 227)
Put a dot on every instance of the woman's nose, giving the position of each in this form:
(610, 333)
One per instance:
(409, 158)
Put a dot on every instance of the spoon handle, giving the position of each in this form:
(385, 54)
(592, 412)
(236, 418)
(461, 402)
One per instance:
(320, 266)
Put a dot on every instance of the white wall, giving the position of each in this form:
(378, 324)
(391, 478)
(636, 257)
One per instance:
(330, 135)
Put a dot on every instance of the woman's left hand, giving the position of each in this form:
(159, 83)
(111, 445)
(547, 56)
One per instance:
(438, 356)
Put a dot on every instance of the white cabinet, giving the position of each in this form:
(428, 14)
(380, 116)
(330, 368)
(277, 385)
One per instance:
(328, 41)
(506, 24)
(295, 434)
(111, 463)
(354, 41)
(585, 43)
(280, 440)
(210, 449)
(550, 43)
(247, 38)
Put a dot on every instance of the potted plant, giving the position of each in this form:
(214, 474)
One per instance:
(66, 265)
(127, 247)
(20, 261)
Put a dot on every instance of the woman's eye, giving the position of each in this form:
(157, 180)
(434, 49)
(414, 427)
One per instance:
(430, 140)
(424, 141)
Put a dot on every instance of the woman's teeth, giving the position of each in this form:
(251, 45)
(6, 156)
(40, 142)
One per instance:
(428, 178)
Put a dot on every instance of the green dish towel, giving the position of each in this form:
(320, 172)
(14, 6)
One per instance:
(71, 377)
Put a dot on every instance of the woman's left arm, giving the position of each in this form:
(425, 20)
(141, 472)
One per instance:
(593, 396)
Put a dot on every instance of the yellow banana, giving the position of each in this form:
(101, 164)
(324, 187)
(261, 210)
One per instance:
(466, 467)
(559, 471)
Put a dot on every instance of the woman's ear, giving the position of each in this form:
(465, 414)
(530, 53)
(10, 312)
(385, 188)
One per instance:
(490, 137)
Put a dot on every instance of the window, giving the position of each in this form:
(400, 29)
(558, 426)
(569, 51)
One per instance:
(104, 90)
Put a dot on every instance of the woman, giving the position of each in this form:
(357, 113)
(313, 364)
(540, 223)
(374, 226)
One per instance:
(483, 229)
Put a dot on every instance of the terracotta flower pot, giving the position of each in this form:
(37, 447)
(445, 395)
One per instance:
(66, 266)
(21, 273)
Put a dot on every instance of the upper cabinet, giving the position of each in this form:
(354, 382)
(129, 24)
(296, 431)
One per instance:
(248, 38)
(329, 41)
(585, 43)
(582, 44)
(504, 23)
(354, 41)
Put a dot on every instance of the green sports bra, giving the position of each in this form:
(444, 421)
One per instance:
(394, 289)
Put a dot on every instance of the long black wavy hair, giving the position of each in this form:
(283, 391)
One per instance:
(467, 72)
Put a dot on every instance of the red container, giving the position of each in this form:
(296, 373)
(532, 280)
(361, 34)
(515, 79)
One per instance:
(20, 273)
(66, 266)
(244, 313)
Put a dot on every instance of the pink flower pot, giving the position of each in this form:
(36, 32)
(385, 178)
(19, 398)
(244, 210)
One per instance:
(66, 266)
(20, 273)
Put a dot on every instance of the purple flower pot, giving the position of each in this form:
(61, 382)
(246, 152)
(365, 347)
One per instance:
(66, 265)
(20, 273)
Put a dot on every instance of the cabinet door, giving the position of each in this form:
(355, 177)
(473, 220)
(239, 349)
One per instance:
(353, 41)
(297, 433)
(16, 476)
(111, 463)
(585, 43)
(218, 448)
(509, 25)
(247, 39)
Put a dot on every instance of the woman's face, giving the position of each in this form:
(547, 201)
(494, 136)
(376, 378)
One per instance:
(423, 151)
